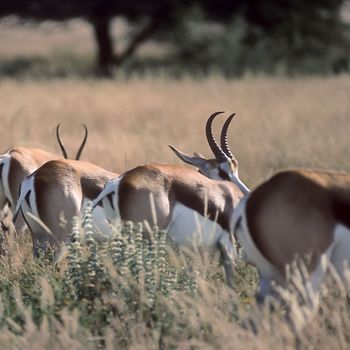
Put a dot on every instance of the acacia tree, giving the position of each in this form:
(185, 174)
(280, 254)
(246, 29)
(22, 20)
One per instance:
(153, 14)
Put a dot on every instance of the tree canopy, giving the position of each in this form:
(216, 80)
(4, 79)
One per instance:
(299, 23)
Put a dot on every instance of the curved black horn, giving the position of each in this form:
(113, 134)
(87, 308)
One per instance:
(64, 152)
(218, 152)
(77, 157)
(223, 138)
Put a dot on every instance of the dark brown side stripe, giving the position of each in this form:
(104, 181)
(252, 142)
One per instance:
(195, 199)
(110, 198)
(26, 198)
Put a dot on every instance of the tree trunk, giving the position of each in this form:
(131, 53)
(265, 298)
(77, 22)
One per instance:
(145, 33)
(104, 43)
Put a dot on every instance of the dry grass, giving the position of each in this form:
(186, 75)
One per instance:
(48, 306)
(281, 123)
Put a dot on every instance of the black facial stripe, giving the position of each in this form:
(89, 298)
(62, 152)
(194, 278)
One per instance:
(223, 175)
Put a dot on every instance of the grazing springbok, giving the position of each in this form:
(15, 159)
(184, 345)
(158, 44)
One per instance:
(19, 162)
(301, 214)
(56, 192)
(193, 208)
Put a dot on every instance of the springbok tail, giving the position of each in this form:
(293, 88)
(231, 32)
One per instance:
(25, 190)
(108, 200)
(108, 191)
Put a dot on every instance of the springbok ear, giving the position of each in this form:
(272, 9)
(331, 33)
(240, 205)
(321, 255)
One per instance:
(196, 160)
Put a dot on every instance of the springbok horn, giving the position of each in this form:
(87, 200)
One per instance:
(218, 152)
(224, 143)
(77, 157)
(64, 152)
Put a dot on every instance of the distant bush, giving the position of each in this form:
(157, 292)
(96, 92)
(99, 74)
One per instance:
(200, 46)
(59, 64)
(236, 48)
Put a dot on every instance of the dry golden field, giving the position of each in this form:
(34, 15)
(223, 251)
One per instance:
(280, 122)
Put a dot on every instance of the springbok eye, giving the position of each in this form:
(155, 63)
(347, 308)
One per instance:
(224, 175)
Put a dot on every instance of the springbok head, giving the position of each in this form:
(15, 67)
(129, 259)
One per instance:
(224, 166)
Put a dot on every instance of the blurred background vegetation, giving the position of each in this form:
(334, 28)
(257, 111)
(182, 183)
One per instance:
(197, 37)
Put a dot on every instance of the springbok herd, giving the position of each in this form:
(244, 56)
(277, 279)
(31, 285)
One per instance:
(302, 214)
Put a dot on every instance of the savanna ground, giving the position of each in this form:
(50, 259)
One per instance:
(98, 297)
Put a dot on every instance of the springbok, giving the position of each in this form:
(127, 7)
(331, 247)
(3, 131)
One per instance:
(193, 208)
(19, 162)
(190, 206)
(56, 192)
(301, 214)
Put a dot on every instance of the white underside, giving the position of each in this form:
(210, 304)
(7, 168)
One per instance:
(187, 227)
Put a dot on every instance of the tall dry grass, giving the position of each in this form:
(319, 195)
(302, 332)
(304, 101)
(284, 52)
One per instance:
(106, 294)
(280, 122)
